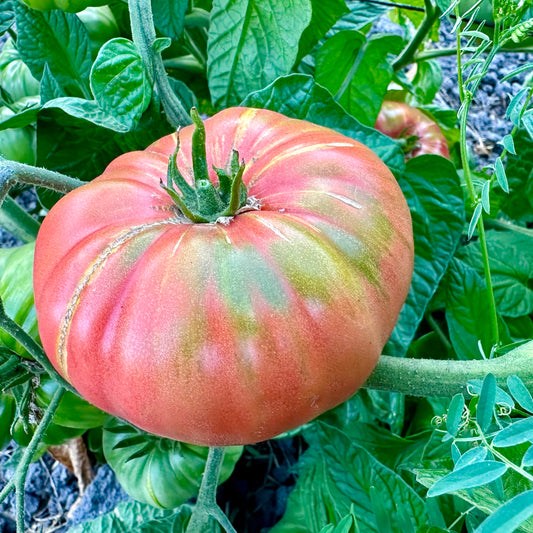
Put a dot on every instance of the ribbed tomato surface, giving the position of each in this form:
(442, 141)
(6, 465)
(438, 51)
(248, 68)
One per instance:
(232, 333)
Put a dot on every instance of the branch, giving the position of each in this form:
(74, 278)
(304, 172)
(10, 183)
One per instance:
(143, 33)
(443, 378)
(13, 173)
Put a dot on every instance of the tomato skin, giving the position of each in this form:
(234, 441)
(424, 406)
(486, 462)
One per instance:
(399, 120)
(217, 334)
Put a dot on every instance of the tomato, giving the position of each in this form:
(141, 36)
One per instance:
(16, 291)
(7, 413)
(101, 26)
(15, 76)
(53, 435)
(71, 6)
(231, 332)
(17, 144)
(401, 121)
(161, 472)
(73, 411)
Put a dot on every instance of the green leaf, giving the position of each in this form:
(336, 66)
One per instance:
(467, 312)
(474, 220)
(486, 403)
(337, 476)
(17, 221)
(470, 476)
(357, 72)
(16, 291)
(485, 196)
(347, 525)
(520, 393)
(58, 39)
(23, 118)
(161, 472)
(120, 83)
(299, 96)
(50, 87)
(519, 204)
(361, 15)
(502, 398)
(427, 81)
(88, 110)
(7, 15)
(511, 261)
(130, 516)
(434, 194)
(509, 516)
(527, 459)
(527, 121)
(500, 173)
(514, 109)
(508, 142)
(516, 433)
(250, 44)
(474, 455)
(324, 16)
(454, 416)
(169, 16)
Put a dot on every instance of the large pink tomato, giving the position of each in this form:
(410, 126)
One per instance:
(235, 331)
(423, 135)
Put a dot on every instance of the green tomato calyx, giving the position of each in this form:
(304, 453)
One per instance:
(203, 201)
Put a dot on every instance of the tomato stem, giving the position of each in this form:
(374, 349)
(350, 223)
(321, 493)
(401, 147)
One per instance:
(407, 55)
(203, 202)
(206, 507)
(143, 33)
(445, 378)
(199, 158)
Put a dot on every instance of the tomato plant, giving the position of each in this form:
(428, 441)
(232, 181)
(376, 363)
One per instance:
(278, 269)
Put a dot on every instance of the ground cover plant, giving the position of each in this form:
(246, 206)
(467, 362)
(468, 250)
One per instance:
(240, 121)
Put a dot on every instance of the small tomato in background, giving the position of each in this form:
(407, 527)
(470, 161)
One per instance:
(421, 134)
(101, 26)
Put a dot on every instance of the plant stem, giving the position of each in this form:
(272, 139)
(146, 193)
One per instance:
(445, 52)
(18, 481)
(407, 55)
(12, 172)
(467, 94)
(206, 505)
(502, 457)
(143, 32)
(438, 330)
(509, 226)
(445, 378)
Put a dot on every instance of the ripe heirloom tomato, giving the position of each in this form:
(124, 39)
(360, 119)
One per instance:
(399, 120)
(230, 332)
